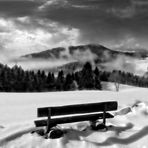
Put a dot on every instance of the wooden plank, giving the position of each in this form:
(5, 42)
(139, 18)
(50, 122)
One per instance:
(62, 120)
(77, 109)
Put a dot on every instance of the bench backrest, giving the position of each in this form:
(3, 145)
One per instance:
(77, 109)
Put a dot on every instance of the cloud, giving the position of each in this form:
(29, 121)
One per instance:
(15, 8)
(83, 56)
(32, 64)
(140, 2)
(19, 40)
(127, 12)
(127, 43)
(56, 3)
(5, 25)
(122, 63)
(113, 19)
(35, 25)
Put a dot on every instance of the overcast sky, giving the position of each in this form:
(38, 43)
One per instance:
(35, 25)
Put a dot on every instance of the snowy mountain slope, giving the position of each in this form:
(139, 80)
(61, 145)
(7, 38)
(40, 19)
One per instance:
(72, 58)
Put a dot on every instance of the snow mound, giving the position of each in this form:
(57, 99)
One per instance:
(128, 128)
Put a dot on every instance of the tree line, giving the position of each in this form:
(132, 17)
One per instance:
(122, 77)
(16, 79)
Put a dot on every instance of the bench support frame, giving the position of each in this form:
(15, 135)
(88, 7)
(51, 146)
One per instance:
(48, 120)
(104, 117)
(85, 110)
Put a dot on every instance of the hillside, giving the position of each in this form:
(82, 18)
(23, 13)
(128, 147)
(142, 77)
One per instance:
(102, 53)
(72, 58)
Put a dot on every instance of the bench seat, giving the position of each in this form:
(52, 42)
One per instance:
(75, 113)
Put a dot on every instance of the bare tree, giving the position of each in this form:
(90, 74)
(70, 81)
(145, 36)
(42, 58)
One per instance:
(115, 77)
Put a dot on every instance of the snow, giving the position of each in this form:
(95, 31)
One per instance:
(111, 86)
(129, 126)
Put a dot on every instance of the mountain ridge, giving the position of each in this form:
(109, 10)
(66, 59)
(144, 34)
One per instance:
(76, 56)
(94, 48)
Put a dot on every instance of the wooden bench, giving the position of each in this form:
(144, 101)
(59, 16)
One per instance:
(77, 113)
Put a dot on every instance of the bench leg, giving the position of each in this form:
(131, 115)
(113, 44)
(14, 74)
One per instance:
(48, 121)
(104, 113)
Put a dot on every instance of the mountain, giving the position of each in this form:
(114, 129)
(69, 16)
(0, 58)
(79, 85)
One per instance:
(102, 52)
(51, 53)
(75, 56)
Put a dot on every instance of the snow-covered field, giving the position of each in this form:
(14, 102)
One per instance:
(129, 126)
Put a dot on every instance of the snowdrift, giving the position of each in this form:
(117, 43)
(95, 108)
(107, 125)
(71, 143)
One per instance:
(129, 127)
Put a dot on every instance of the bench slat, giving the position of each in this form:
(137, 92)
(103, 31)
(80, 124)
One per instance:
(77, 109)
(71, 119)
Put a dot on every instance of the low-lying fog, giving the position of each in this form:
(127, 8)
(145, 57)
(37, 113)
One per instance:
(123, 63)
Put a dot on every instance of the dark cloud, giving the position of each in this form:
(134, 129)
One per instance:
(15, 8)
(101, 20)
(97, 21)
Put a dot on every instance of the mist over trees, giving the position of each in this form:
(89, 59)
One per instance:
(16, 79)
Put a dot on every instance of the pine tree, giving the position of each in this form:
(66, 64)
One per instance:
(87, 77)
(60, 81)
(68, 82)
(74, 85)
(97, 72)
(97, 83)
(50, 82)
